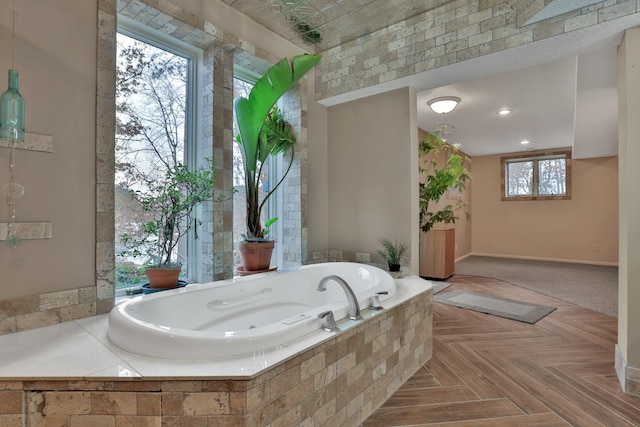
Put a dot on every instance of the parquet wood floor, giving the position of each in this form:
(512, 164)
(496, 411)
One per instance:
(490, 371)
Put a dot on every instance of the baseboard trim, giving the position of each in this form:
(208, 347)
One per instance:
(628, 377)
(633, 381)
(530, 258)
(463, 257)
(621, 368)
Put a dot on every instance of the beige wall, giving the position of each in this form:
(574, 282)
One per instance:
(56, 59)
(583, 229)
(318, 175)
(372, 168)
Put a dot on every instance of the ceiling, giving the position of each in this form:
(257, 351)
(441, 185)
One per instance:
(569, 102)
(563, 92)
(318, 25)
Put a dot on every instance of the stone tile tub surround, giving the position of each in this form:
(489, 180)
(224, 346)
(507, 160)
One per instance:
(70, 374)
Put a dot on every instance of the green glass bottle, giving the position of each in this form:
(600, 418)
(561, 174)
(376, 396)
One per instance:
(12, 111)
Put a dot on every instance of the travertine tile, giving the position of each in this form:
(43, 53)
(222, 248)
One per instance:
(209, 403)
(298, 393)
(148, 403)
(8, 326)
(171, 403)
(113, 403)
(58, 299)
(11, 420)
(11, 402)
(37, 319)
(355, 373)
(16, 306)
(290, 418)
(89, 420)
(309, 367)
(138, 421)
(66, 403)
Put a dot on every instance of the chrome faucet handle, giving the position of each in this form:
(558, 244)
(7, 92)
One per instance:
(375, 300)
(328, 321)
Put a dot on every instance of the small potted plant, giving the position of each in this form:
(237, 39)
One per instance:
(392, 253)
(170, 203)
(263, 132)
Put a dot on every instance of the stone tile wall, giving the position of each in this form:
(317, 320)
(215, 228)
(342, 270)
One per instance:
(455, 32)
(333, 255)
(338, 383)
(21, 314)
(217, 256)
(293, 189)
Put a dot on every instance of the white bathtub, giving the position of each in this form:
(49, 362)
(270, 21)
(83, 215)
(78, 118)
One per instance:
(240, 316)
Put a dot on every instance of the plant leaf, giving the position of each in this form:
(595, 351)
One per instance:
(251, 112)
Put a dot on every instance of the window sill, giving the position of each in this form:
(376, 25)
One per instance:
(530, 198)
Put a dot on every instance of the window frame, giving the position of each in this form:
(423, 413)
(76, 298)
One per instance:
(193, 116)
(535, 156)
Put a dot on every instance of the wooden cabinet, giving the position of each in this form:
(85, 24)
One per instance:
(438, 253)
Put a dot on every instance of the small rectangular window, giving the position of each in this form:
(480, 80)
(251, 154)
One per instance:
(520, 178)
(538, 176)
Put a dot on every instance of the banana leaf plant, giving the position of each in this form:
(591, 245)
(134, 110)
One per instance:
(263, 132)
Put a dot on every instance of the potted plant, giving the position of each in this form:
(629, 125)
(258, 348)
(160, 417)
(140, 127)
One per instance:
(392, 253)
(263, 132)
(170, 204)
(440, 176)
(443, 169)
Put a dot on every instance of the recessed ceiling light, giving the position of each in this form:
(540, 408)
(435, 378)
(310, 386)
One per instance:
(504, 112)
(525, 142)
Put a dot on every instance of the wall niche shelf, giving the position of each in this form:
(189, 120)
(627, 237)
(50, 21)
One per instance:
(32, 142)
(27, 230)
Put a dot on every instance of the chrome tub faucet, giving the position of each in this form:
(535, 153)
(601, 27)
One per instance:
(353, 309)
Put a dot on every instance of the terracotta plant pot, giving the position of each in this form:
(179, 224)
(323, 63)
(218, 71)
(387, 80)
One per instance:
(163, 277)
(256, 256)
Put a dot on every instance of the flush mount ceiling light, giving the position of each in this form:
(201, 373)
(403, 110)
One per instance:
(504, 112)
(525, 142)
(444, 104)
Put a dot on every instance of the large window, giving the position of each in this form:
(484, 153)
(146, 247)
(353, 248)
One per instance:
(537, 177)
(155, 131)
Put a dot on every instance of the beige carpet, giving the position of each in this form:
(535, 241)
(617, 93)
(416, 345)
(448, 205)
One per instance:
(590, 286)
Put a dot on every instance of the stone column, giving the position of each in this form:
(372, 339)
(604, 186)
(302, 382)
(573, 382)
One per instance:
(293, 190)
(105, 157)
(216, 233)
